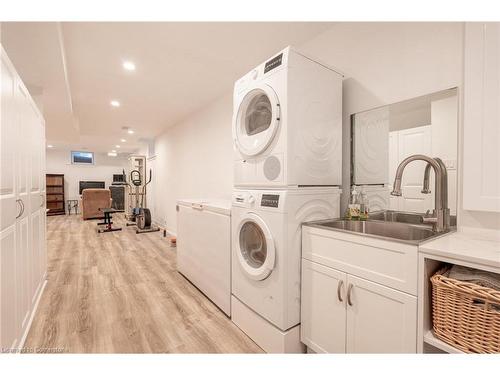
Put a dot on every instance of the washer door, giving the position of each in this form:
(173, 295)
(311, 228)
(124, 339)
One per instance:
(256, 121)
(255, 250)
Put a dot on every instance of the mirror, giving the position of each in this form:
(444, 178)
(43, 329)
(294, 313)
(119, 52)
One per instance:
(382, 137)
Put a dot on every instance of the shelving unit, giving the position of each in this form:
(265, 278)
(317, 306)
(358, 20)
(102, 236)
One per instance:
(55, 194)
(431, 339)
(479, 250)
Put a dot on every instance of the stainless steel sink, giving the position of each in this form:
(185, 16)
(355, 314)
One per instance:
(389, 230)
(396, 216)
(404, 217)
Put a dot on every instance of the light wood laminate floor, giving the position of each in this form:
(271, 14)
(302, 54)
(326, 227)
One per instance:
(121, 293)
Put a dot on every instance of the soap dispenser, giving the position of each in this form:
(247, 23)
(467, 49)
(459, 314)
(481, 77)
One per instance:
(354, 206)
(363, 205)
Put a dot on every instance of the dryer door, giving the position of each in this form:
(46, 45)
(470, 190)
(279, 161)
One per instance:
(256, 120)
(255, 248)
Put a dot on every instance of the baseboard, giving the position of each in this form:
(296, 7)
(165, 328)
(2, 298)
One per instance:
(33, 312)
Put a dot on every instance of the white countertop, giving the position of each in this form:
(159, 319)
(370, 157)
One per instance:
(467, 247)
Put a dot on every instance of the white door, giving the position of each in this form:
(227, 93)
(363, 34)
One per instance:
(9, 207)
(255, 247)
(481, 170)
(256, 121)
(410, 142)
(379, 319)
(323, 312)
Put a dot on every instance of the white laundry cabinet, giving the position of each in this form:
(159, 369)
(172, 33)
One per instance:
(358, 295)
(204, 247)
(481, 137)
(23, 261)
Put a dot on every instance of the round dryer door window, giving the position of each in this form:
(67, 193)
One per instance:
(256, 121)
(256, 253)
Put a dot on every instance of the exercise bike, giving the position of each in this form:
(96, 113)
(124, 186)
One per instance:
(139, 216)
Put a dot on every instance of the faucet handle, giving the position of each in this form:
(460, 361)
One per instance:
(429, 220)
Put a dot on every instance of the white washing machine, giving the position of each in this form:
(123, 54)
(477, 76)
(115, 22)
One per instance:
(287, 124)
(266, 253)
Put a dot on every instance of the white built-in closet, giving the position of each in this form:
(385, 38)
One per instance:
(23, 261)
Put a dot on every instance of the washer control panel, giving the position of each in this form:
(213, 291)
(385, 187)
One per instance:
(270, 200)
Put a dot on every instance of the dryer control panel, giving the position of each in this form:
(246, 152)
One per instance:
(270, 200)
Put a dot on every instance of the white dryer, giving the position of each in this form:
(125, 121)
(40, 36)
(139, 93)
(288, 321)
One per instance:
(266, 253)
(287, 124)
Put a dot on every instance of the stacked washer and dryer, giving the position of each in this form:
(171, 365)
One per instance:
(287, 132)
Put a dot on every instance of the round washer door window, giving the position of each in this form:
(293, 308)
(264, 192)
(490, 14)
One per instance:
(256, 121)
(256, 253)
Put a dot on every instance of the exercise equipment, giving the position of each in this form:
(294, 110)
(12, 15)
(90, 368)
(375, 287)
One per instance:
(107, 221)
(140, 216)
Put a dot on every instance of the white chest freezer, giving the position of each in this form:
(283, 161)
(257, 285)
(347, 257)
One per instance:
(204, 247)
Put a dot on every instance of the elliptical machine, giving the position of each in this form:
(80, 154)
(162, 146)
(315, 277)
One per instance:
(140, 216)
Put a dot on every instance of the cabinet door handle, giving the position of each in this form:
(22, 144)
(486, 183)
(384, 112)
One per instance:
(18, 201)
(349, 289)
(339, 296)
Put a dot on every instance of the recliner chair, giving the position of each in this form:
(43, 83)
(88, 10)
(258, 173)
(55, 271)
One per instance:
(93, 200)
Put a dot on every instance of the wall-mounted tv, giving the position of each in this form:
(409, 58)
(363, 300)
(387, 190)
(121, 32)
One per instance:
(82, 157)
(91, 185)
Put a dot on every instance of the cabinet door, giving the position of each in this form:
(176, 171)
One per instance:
(43, 246)
(35, 137)
(9, 209)
(323, 312)
(8, 289)
(35, 254)
(379, 319)
(23, 271)
(481, 173)
(8, 206)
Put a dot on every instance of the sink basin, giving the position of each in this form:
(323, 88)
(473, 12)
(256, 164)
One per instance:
(401, 232)
(403, 217)
(396, 216)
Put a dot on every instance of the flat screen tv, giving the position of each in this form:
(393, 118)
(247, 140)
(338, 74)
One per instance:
(91, 185)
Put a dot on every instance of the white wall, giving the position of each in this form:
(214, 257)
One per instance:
(383, 63)
(59, 161)
(194, 160)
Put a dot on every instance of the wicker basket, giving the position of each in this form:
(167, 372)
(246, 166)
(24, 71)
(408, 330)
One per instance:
(465, 315)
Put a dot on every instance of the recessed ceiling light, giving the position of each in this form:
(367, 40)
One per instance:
(112, 154)
(123, 140)
(49, 146)
(130, 131)
(128, 65)
(118, 146)
(115, 103)
(113, 151)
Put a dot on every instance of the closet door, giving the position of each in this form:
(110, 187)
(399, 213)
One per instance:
(481, 158)
(9, 208)
(43, 204)
(37, 198)
(23, 266)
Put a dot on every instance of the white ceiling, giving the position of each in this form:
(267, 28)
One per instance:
(180, 67)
